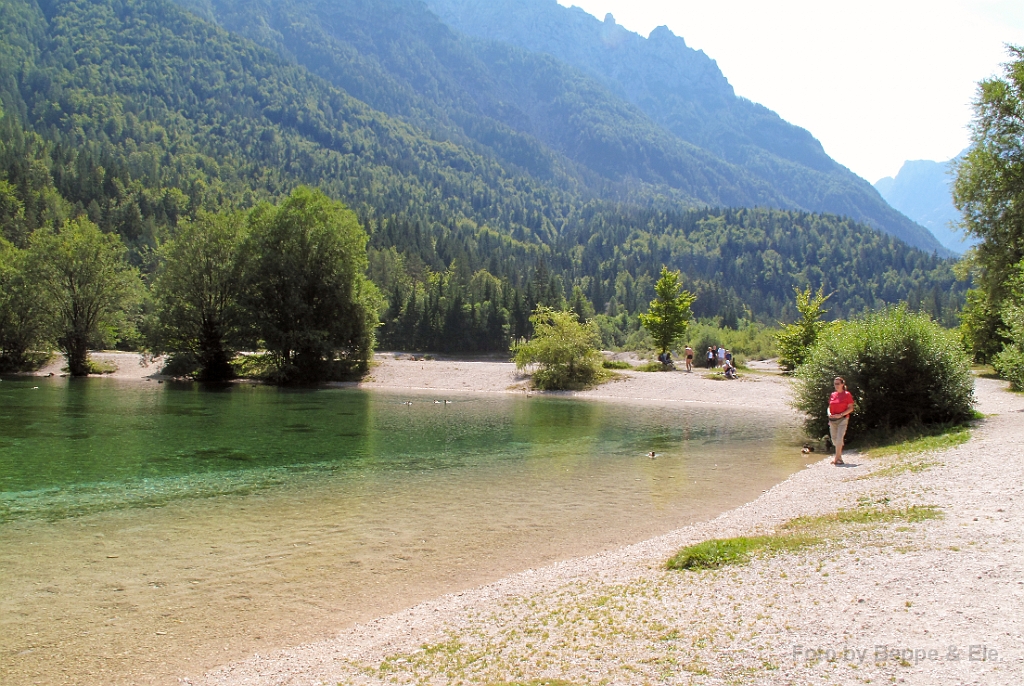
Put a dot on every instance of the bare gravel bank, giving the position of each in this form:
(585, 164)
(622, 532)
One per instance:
(933, 602)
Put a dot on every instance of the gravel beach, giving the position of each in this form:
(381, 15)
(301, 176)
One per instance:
(939, 601)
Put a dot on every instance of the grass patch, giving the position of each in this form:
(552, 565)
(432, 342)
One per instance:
(920, 440)
(534, 682)
(862, 515)
(653, 367)
(616, 364)
(720, 552)
(101, 367)
(95, 367)
(897, 468)
(794, 535)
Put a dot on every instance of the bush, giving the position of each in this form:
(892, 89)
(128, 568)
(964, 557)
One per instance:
(1009, 363)
(564, 349)
(902, 368)
(795, 340)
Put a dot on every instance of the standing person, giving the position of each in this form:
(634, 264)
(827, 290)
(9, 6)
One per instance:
(711, 357)
(721, 356)
(689, 359)
(840, 407)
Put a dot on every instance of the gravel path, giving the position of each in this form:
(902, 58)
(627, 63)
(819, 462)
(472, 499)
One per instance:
(935, 602)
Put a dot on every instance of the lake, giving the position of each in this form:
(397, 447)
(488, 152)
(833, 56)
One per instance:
(152, 530)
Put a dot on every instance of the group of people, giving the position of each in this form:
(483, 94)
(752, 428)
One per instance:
(720, 357)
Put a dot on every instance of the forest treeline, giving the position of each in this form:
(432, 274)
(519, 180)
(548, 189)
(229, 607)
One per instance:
(141, 118)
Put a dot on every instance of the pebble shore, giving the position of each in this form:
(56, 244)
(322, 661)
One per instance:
(932, 602)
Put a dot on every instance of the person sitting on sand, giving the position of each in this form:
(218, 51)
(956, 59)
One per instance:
(840, 407)
(730, 369)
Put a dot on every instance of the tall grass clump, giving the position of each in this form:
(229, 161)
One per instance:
(902, 368)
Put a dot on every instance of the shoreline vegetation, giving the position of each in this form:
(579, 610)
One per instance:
(898, 567)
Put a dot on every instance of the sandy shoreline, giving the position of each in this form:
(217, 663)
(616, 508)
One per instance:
(756, 391)
(947, 594)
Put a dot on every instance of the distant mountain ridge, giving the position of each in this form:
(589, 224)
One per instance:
(685, 92)
(922, 190)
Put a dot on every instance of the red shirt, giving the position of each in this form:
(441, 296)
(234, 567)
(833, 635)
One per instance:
(840, 402)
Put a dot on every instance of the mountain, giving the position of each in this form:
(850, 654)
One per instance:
(490, 178)
(922, 190)
(683, 91)
(528, 110)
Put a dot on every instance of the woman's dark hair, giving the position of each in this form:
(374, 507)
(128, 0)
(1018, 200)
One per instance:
(842, 381)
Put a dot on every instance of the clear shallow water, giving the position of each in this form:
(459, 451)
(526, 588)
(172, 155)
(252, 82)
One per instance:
(75, 447)
(152, 531)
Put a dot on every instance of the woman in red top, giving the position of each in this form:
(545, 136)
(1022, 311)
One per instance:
(840, 407)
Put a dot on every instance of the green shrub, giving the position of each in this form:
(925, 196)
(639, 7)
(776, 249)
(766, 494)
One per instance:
(616, 364)
(1009, 363)
(795, 340)
(902, 368)
(749, 342)
(563, 348)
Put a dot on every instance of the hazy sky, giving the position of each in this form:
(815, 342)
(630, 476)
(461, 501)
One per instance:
(877, 82)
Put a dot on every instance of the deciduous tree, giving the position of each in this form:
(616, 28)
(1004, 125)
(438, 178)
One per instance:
(989, 192)
(87, 286)
(197, 293)
(305, 288)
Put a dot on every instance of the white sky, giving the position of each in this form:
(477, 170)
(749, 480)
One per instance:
(878, 82)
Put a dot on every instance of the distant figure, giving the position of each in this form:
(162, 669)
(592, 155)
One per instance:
(721, 356)
(711, 357)
(652, 455)
(689, 359)
(728, 356)
(730, 370)
(840, 407)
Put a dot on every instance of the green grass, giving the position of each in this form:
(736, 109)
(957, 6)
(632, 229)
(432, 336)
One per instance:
(794, 535)
(653, 367)
(925, 441)
(616, 364)
(101, 367)
(534, 682)
(720, 552)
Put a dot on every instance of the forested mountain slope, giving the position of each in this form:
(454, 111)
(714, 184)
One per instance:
(526, 109)
(684, 91)
(139, 114)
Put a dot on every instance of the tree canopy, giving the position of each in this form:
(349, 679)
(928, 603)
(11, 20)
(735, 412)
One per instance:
(305, 290)
(669, 313)
(87, 285)
(989, 192)
(564, 348)
(197, 291)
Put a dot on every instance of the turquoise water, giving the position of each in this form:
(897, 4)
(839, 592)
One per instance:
(72, 447)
